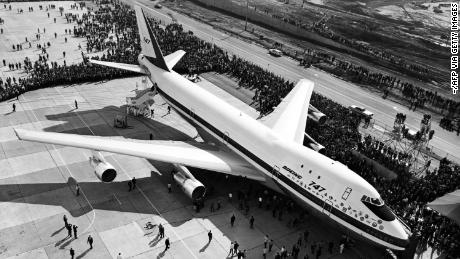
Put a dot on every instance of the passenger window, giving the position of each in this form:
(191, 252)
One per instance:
(346, 193)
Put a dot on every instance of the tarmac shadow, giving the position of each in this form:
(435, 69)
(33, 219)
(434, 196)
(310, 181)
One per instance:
(160, 255)
(58, 243)
(155, 241)
(8, 113)
(57, 231)
(66, 243)
(83, 254)
(204, 247)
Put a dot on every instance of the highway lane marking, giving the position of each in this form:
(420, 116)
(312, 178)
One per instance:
(322, 84)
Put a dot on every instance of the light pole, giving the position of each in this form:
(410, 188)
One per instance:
(247, 8)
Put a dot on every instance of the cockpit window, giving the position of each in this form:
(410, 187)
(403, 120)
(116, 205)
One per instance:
(378, 207)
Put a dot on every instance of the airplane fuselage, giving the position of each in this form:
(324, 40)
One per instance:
(318, 181)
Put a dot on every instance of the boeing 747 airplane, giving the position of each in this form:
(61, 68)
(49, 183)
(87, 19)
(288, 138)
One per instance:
(268, 150)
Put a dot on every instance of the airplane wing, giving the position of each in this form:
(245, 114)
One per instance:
(129, 67)
(192, 154)
(290, 117)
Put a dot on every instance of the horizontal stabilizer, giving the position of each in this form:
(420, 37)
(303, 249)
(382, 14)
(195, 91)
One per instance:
(172, 59)
(129, 67)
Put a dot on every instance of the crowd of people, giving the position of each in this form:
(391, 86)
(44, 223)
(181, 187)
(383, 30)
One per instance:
(95, 27)
(415, 96)
(406, 195)
(112, 29)
(376, 150)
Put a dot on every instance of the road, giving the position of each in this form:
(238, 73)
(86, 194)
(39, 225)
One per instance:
(446, 143)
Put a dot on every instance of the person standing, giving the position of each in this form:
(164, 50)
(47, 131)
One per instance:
(231, 249)
(76, 103)
(305, 237)
(75, 231)
(77, 189)
(211, 208)
(265, 241)
(130, 185)
(14, 107)
(90, 242)
(134, 183)
(169, 187)
(65, 221)
(283, 252)
(341, 247)
(209, 236)
(167, 244)
(270, 245)
(72, 253)
(264, 252)
(318, 252)
(161, 230)
(251, 222)
(69, 230)
(235, 247)
(232, 220)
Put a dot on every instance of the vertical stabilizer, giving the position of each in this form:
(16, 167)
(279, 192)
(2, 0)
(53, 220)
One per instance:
(150, 48)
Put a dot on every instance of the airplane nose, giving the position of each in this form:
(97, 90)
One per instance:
(400, 231)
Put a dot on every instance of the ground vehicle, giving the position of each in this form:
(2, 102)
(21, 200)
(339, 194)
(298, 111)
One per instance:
(158, 6)
(275, 52)
(359, 110)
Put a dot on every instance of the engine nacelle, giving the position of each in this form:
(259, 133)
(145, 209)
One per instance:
(312, 144)
(102, 169)
(189, 184)
(316, 116)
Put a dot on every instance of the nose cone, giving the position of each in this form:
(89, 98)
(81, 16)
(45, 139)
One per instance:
(400, 233)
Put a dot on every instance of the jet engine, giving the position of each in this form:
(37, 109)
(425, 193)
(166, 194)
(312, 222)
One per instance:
(316, 116)
(189, 184)
(312, 144)
(102, 169)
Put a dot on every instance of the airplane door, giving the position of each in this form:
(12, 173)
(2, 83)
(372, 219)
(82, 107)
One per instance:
(226, 137)
(327, 207)
(275, 172)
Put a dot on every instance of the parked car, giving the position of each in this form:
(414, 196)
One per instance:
(158, 6)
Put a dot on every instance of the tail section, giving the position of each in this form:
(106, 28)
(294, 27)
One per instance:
(150, 48)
